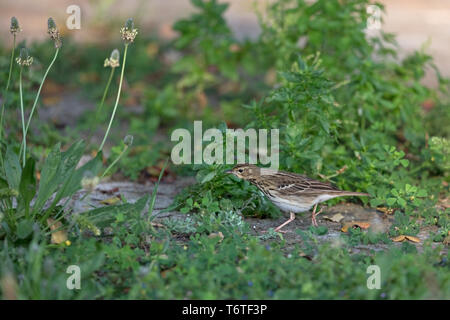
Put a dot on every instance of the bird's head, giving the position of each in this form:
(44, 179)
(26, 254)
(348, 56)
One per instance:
(245, 171)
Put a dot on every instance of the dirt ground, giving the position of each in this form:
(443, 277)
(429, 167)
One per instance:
(344, 213)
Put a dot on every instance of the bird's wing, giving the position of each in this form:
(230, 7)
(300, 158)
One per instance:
(292, 184)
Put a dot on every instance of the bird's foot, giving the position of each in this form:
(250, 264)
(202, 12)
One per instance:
(291, 218)
(313, 216)
(281, 231)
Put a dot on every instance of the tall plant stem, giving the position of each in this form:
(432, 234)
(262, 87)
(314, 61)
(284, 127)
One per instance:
(24, 141)
(11, 63)
(100, 107)
(114, 162)
(37, 98)
(117, 98)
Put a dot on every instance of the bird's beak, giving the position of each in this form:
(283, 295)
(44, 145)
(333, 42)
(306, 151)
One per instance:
(229, 171)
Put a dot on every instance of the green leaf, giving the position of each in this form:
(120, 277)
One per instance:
(301, 63)
(391, 201)
(13, 169)
(103, 216)
(422, 193)
(205, 201)
(325, 125)
(320, 230)
(27, 187)
(73, 183)
(24, 228)
(404, 162)
(401, 202)
(208, 177)
(155, 190)
(184, 210)
(49, 178)
(408, 187)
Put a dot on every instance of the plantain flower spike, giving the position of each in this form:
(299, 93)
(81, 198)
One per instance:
(14, 28)
(24, 58)
(128, 140)
(128, 32)
(52, 30)
(113, 60)
(89, 182)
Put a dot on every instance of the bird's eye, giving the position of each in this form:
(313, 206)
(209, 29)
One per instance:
(241, 170)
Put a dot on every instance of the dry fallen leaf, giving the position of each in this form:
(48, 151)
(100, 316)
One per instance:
(216, 234)
(335, 218)
(152, 49)
(304, 255)
(234, 47)
(155, 224)
(109, 191)
(202, 99)
(446, 240)
(58, 236)
(165, 272)
(386, 210)
(402, 238)
(51, 100)
(354, 225)
(110, 201)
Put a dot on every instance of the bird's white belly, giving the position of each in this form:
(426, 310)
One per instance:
(288, 207)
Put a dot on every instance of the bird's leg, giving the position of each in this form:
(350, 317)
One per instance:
(313, 216)
(291, 218)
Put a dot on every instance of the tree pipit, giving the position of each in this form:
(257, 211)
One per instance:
(290, 192)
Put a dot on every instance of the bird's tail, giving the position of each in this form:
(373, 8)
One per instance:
(350, 193)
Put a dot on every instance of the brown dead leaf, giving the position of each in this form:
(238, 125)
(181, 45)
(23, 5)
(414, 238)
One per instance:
(335, 218)
(202, 99)
(270, 77)
(399, 238)
(229, 87)
(165, 272)
(354, 225)
(403, 237)
(412, 239)
(110, 201)
(215, 235)
(446, 240)
(51, 100)
(159, 225)
(166, 31)
(152, 49)
(304, 255)
(58, 236)
(386, 210)
(234, 47)
(8, 284)
(93, 153)
(89, 77)
(52, 88)
(428, 104)
(109, 191)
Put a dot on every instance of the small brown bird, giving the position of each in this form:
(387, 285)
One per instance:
(290, 192)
